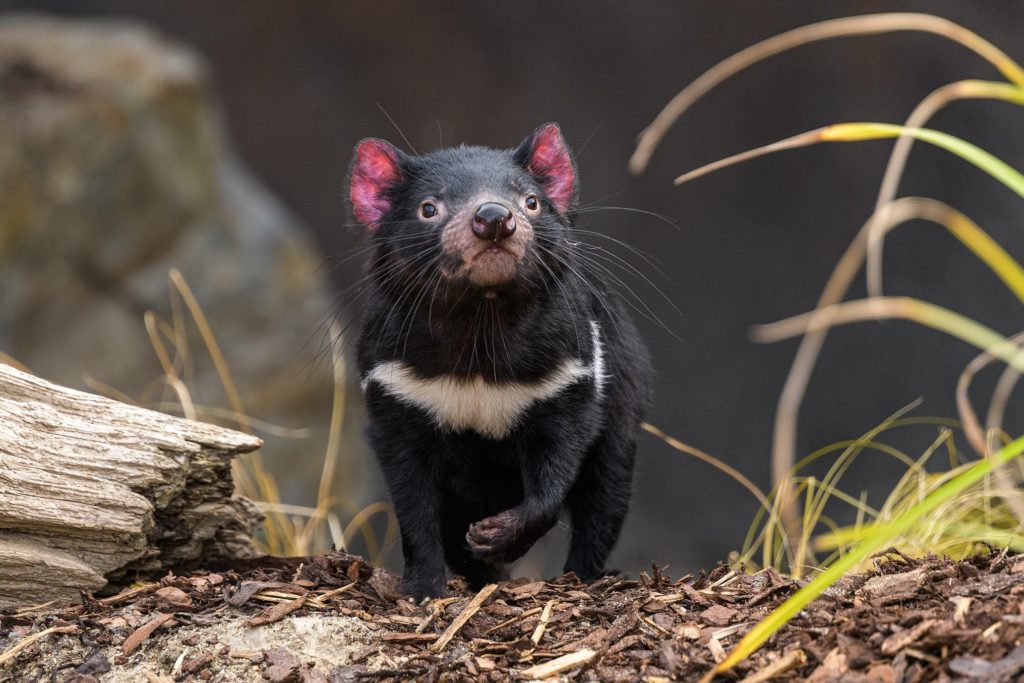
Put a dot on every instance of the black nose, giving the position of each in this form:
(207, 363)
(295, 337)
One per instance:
(493, 222)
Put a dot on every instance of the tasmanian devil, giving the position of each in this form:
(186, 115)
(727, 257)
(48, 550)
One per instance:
(503, 379)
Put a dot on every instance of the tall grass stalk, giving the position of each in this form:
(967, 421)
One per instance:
(961, 511)
(288, 529)
(880, 536)
(844, 27)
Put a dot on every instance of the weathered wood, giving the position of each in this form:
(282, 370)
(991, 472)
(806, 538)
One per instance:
(93, 490)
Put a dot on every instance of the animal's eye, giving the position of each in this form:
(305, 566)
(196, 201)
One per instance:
(531, 203)
(428, 209)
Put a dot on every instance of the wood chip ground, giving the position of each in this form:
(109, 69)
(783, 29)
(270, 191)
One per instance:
(909, 620)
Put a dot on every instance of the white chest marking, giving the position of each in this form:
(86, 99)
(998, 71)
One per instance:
(491, 410)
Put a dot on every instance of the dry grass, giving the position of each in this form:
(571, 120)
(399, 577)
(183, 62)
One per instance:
(970, 500)
(288, 529)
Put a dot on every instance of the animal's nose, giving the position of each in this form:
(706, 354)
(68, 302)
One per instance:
(493, 222)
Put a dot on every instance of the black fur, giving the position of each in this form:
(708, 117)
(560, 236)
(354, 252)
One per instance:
(462, 499)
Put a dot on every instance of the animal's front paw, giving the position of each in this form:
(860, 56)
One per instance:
(500, 537)
(589, 572)
(424, 586)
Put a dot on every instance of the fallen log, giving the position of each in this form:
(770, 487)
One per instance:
(95, 491)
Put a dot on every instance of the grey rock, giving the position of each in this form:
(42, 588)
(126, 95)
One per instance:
(114, 169)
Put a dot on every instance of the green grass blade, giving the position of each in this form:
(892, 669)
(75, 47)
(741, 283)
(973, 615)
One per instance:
(877, 540)
(997, 168)
(857, 132)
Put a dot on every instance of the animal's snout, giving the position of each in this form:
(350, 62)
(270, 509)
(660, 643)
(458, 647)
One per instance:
(493, 222)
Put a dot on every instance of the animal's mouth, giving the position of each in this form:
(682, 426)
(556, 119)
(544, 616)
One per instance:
(492, 250)
(492, 265)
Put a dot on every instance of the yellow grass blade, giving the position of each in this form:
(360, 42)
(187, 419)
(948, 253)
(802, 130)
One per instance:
(815, 506)
(362, 518)
(10, 360)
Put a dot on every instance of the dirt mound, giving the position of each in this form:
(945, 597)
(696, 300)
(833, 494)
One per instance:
(333, 618)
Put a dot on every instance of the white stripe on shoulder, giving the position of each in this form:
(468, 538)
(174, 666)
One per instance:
(492, 410)
(600, 375)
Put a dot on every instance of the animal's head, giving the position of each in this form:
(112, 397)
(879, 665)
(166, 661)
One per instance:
(488, 219)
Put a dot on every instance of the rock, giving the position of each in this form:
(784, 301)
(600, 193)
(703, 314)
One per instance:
(114, 169)
(96, 663)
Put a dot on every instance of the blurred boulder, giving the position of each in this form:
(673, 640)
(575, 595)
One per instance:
(114, 169)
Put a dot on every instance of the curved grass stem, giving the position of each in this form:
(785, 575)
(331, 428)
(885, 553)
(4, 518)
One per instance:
(868, 24)
(923, 112)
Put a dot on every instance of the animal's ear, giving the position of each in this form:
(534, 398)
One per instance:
(376, 169)
(546, 156)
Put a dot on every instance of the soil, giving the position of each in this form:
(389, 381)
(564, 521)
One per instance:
(334, 618)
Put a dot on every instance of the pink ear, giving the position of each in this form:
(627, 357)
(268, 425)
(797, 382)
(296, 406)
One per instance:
(374, 173)
(548, 158)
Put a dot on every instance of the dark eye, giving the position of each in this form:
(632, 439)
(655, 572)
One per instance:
(531, 203)
(428, 209)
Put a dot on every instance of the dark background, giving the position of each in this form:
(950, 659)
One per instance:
(301, 82)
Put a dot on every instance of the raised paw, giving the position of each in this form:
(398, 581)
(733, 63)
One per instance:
(501, 537)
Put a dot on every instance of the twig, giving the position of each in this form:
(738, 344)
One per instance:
(464, 616)
(508, 622)
(780, 666)
(730, 630)
(729, 577)
(717, 651)
(25, 642)
(653, 625)
(35, 608)
(560, 664)
(435, 610)
(275, 596)
(143, 632)
(333, 593)
(130, 593)
(542, 624)
(408, 637)
(277, 612)
(668, 599)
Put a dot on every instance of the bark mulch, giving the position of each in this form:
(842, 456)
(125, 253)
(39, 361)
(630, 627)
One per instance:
(909, 620)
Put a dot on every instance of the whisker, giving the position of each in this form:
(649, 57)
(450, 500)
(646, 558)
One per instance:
(629, 209)
(629, 268)
(383, 111)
